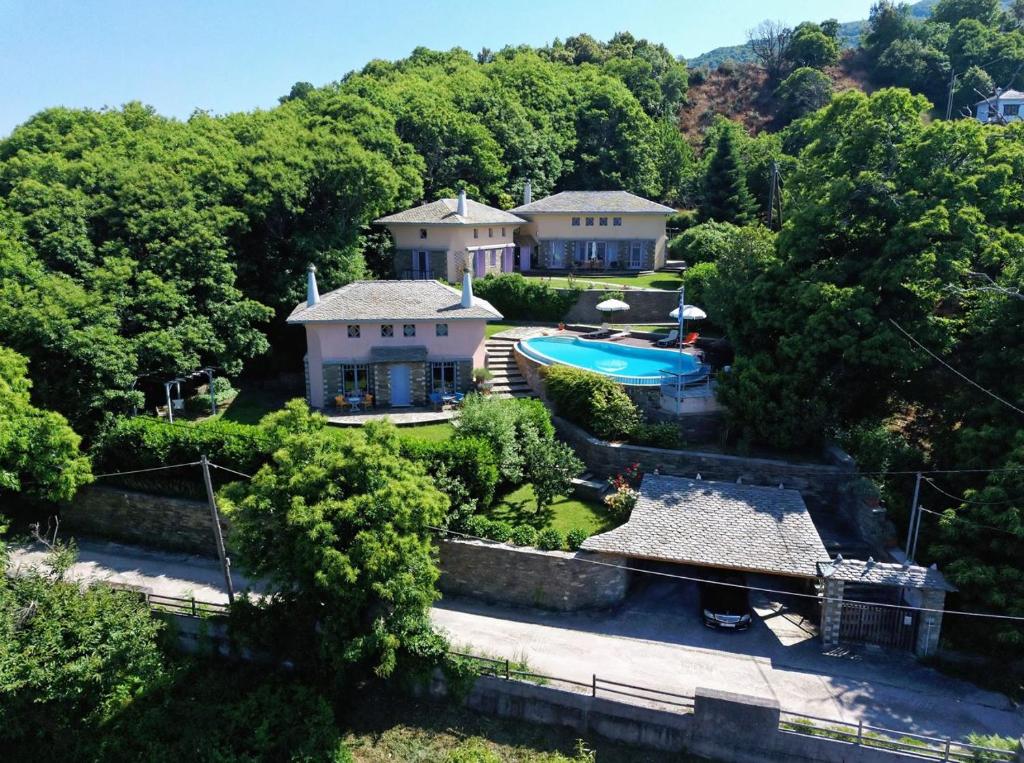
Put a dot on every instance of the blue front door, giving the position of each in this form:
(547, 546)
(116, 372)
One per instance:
(401, 386)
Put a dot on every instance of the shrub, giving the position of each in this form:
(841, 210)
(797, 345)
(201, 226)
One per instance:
(575, 537)
(478, 526)
(471, 460)
(549, 539)
(519, 298)
(621, 501)
(680, 221)
(500, 531)
(523, 535)
(505, 424)
(551, 466)
(663, 435)
(593, 401)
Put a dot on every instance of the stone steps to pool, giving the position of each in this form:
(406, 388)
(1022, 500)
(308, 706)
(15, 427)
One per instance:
(507, 381)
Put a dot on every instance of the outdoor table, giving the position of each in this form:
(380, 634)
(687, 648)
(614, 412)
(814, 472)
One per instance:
(447, 399)
(354, 401)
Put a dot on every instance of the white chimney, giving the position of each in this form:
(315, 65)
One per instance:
(527, 193)
(460, 210)
(312, 293)
(467, 288)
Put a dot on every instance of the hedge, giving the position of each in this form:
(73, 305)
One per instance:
(593, 401)
(522, 299)
(470, 459)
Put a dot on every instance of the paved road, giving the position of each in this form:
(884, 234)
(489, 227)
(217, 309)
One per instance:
(655, 639)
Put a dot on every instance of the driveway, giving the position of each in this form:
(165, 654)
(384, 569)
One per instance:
(655, 639)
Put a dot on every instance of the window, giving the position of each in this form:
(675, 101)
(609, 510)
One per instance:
(636, 256)
(494, 258)
(603, 222)
(503, 232)
(441, 329)
(423, 232)
(590, 222)
(490, 233)
(617, 222)
(354, 380)
(576, 222)
(353, 332)
(409, 329)
(387, 330)
(444, 377)
(476, 233)
(1011, 110)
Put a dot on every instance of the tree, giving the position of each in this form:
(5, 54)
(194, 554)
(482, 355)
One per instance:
(726, 196)
(769, 42)
(552, 466)
(339, 528)
(803, 91)
(810, 46)
(71, 657)
(39, 452)
(953, 11)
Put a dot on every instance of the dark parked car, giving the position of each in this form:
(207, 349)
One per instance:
(725, 606)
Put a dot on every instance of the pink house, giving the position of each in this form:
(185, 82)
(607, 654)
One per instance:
(398, 341)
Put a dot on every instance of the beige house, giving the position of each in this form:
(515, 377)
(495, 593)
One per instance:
(445, 238)
(591, 231)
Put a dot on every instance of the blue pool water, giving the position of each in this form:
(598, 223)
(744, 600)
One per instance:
(646, 364)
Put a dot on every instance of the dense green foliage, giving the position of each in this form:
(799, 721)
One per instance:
(468, 460)
(726, 197)
(39, 452)
(339, 528)
(591, 400)
(803, 91)
(518, 298)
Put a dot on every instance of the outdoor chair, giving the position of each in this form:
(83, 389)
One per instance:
(436, 400)
(669, 340)
(600, 333)
(620, 334)
(691, 339)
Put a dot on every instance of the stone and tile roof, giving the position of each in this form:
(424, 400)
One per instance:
(596, 202)
(718, 524)
(443, 212)
(1005, 95)
(397, 354)
(393, 301)
(884, 573)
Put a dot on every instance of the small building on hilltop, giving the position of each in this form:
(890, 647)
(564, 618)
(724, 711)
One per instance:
(391, 343)
(592, 231)
(1006, 106)
(449, 237)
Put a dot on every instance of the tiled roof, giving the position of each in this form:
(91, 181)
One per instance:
(884, 573)
(1006, 94)
(718, 524)
(393, 301)
(442, 212)
(598, 202)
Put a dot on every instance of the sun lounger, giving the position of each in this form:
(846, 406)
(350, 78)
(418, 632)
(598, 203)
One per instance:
(620, 334)
(669, 340)
(691, 339)
(602, 333)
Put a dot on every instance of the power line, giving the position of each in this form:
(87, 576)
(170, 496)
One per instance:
(989, 615)
(972, 503)
(141, 471)
(233, 471)
(967, 379)
(969, 522)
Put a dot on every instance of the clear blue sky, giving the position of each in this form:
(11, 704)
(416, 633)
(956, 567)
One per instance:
(231, 55)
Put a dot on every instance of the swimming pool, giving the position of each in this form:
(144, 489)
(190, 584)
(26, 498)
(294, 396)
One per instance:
(627, 365)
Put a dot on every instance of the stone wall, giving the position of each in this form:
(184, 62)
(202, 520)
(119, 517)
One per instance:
(821, 485)
(645, 306)
(150, 520)
(496, 572)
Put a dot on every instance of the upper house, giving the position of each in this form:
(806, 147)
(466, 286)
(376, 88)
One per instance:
(592, 231)
(1005, 107)
(448, 237)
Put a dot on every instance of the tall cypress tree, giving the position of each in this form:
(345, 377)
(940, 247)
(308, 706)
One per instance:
(726, 196)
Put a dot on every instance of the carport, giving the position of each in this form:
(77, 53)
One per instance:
(724, 525)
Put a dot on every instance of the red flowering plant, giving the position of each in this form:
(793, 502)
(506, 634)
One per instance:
(624, 494)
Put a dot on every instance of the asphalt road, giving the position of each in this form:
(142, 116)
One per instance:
(655, 639)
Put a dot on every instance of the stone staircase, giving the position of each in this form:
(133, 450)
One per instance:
(508, 382)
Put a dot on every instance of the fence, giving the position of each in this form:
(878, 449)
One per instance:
(188, 607)
(862, 734)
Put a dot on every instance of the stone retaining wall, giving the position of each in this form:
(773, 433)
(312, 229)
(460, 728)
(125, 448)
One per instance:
(645, 306)
(151, 520)
(822, 485)
(496, 572)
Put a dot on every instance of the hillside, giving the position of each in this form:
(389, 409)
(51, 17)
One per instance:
(849, 35)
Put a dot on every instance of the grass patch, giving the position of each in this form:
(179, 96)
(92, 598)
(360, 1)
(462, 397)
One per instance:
(251, 405)
(520, 508)
(664, 281)
(496, 328)
(390, 727)
(431, 432)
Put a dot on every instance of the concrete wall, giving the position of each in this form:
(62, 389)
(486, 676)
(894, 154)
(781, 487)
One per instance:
(821, 485)
(150, 520)
(645, 306)
(529, 577)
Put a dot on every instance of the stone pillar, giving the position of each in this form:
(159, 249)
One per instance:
(930, 625)
(831, 612)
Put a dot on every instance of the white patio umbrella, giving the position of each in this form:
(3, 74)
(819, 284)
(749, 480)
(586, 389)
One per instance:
(691, 312)
(611, 306)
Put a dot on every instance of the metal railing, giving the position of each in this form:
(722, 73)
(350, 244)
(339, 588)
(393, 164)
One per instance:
(189, 607)
(629, 381)
(488, 666)
(867, 735)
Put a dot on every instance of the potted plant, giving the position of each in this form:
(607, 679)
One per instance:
(484, 379)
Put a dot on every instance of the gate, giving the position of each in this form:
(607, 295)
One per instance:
(894, 627)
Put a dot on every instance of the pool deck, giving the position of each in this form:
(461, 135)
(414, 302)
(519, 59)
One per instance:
(648, 342)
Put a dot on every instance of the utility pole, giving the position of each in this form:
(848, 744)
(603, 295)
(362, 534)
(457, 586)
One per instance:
(774, 194)
(218, 535)
(914, 514)
(213, 398)
(949, 98)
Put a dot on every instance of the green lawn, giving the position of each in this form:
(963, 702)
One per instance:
(432, 432)
(667, 281)
(520, 508)
(493, 328)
